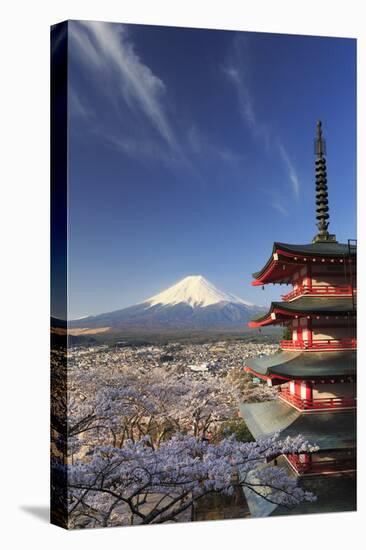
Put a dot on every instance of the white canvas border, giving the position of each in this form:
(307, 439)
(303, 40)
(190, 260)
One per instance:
(25, 266)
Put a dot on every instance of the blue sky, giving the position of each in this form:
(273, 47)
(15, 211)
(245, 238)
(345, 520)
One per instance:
(191, 151)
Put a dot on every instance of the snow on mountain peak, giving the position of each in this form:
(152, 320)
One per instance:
(195, 291)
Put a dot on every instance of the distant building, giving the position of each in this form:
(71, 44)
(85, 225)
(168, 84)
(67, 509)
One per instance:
(122, 344)
(199, 368)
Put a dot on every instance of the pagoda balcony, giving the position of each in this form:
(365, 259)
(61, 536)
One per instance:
(322, 403)
(319, 345)
(318, 290)
(328, 466)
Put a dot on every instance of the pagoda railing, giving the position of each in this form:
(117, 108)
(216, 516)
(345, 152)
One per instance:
(314, 467)
(319, 345)
(324, 290)
(317, 403)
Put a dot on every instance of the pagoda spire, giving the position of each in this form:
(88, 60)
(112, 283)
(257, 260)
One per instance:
(322, 208)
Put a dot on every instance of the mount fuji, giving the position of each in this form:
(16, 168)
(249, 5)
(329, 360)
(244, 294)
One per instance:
(193, 303)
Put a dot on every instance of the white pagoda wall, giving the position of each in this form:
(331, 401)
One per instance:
(333, 333)
(336, 328)
(333, 390)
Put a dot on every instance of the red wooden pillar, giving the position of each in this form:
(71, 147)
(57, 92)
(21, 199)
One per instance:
(310, 332)
(305, 461)
(306, 393)
(298, 388)
(299, 332)
(309, 391)
(309, 276)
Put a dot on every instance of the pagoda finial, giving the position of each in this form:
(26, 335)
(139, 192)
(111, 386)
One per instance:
(322, 208)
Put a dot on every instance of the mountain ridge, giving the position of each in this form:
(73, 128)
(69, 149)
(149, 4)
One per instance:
(191, 303)
(195, 290)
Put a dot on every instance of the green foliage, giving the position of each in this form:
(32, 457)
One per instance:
(287, 333)
(238, 428)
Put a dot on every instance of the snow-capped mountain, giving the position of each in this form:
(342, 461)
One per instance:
(192, 303)
(195, 291)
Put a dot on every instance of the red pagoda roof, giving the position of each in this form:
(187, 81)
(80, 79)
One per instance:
(305, 306)
(329, 430)
(284, 366)
(286, 259)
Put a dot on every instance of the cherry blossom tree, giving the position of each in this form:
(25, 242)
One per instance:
(248, 390)
(127, 406)
(140, 484)
(112, 406)
(144, 446)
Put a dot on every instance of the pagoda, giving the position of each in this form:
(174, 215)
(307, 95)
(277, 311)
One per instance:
(315, 369)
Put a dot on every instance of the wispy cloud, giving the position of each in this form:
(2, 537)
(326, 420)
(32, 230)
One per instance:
(120, 74)
(295, 183)
(275, 199)
(277, 205)
(237, 77)
(237, 71)
(77, 106)
(199, 144)
(120, 99)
